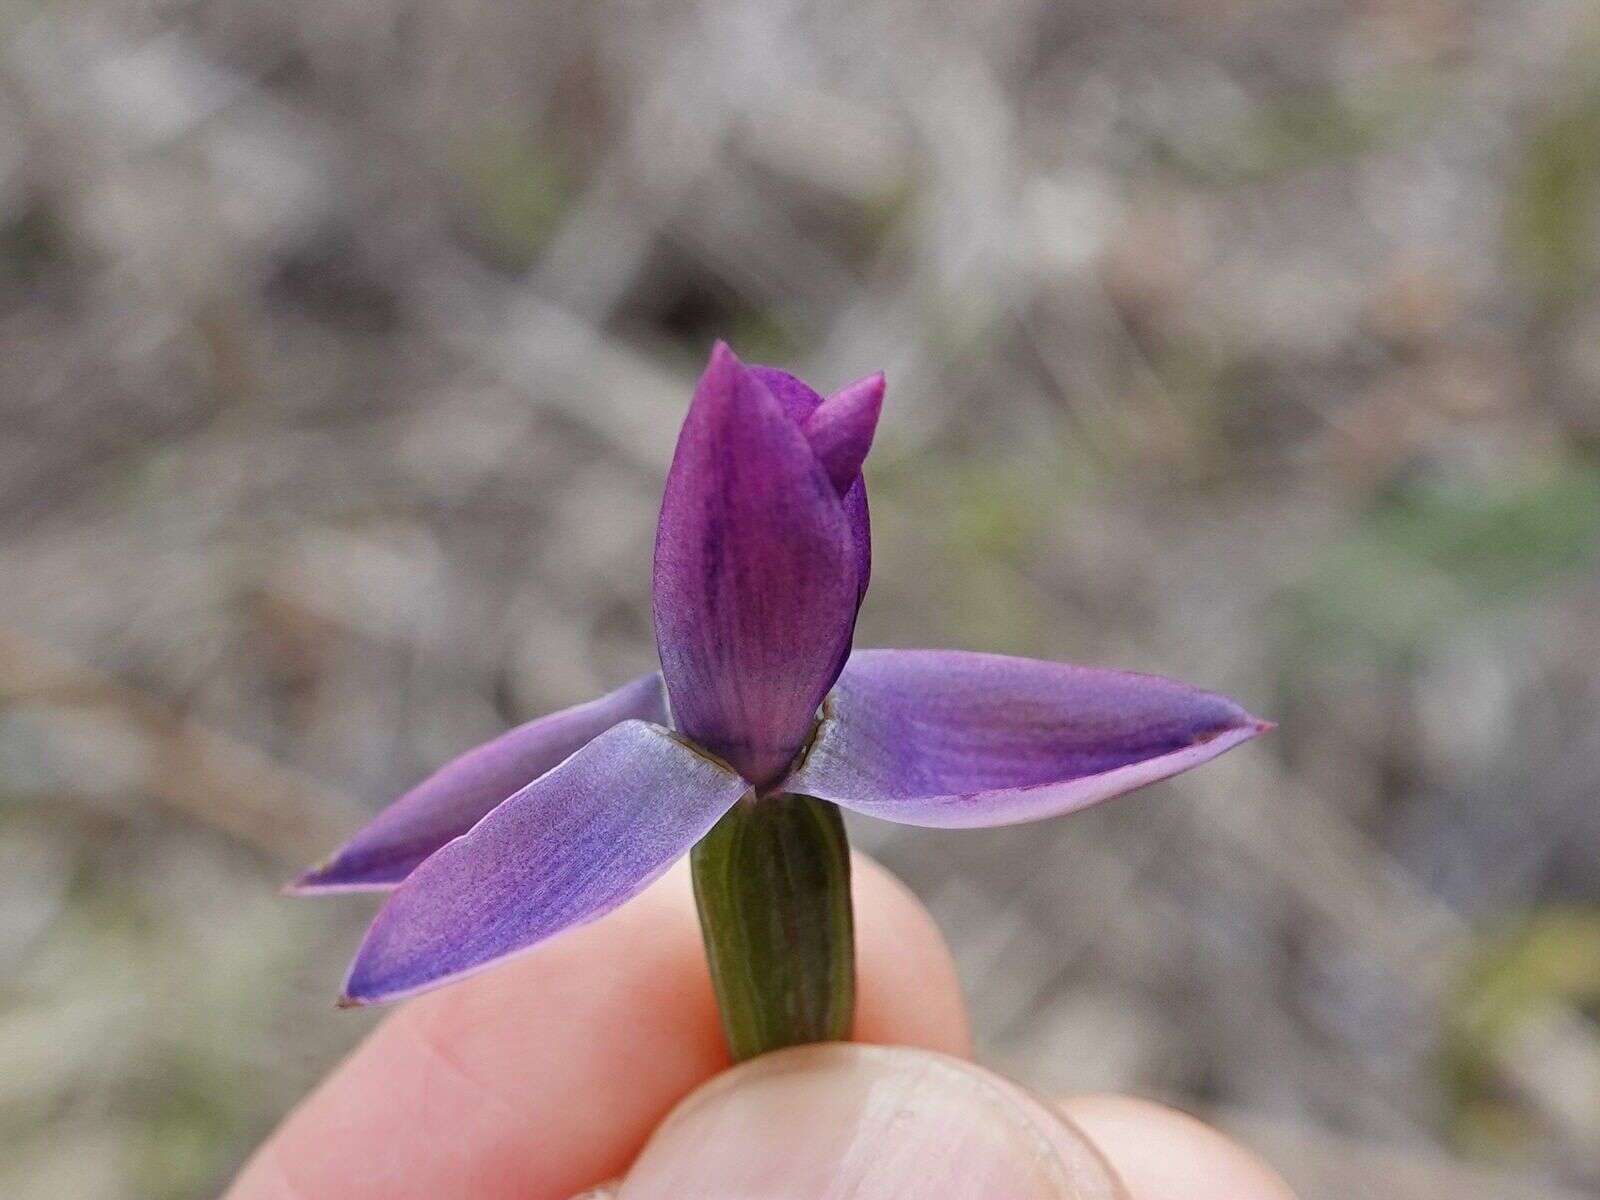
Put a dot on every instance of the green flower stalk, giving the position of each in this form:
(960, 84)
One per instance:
(772, 884)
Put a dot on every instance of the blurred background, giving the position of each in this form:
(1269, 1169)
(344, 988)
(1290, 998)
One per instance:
(1256, 343)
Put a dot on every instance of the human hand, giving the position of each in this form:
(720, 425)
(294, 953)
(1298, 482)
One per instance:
(541, 1078)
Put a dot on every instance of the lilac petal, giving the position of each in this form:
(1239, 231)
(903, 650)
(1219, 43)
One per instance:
(756, 582)
(953, 739)
(840, 429)
(453, 799)
(571, 846)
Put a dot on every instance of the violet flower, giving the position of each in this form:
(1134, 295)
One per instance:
(761, 563)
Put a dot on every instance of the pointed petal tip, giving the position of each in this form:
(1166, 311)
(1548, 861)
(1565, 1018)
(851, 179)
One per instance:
(725, 383)
(872, 388)
(324, 880)
(1240, 727)
(309, 882)
(863, 397)
(356, 992)
(313, 880)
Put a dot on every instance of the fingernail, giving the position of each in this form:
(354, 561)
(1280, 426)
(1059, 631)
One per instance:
(866, 1123)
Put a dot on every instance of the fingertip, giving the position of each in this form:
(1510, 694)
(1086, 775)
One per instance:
(870, 1122)
(908, 990)
(1164, 1154)
(536, 1078)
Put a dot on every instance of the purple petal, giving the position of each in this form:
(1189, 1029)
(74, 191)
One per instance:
(855, 512)
(756, 580)
(800, 401)
(947, 738)
(797, 397)
(840, 429)
(453, 799)
(568, 848)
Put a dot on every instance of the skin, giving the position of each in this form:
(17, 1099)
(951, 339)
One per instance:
(548, 1074)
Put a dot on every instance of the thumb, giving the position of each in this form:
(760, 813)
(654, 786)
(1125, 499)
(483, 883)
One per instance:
(870, 1123)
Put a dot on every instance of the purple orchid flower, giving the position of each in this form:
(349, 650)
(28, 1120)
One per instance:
(761, 563)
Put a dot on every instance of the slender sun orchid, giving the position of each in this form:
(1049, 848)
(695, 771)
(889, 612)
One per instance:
(761, 723)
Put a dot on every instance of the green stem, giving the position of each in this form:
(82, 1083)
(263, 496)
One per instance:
(772, 882)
